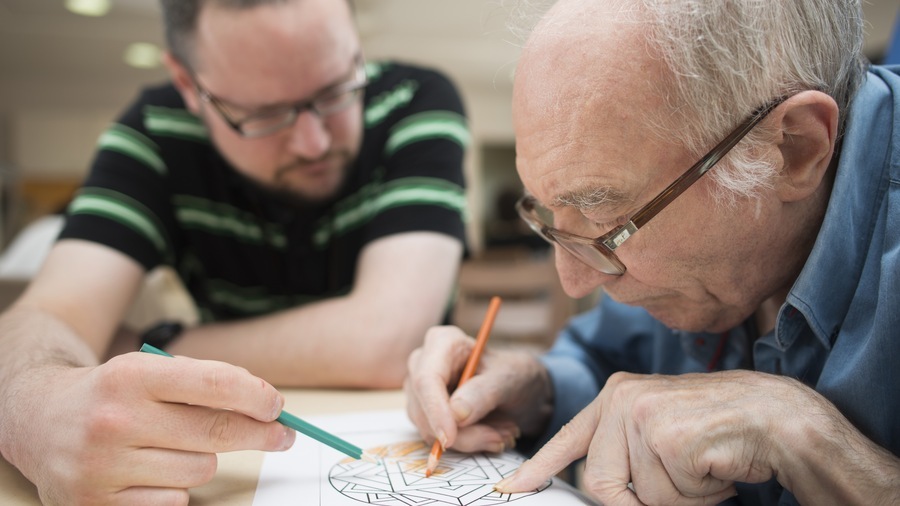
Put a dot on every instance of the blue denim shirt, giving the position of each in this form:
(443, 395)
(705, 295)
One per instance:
(839, 329)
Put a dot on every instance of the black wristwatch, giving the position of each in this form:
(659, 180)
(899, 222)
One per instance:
(162, 334)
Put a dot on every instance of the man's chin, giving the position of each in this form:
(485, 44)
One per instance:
(680, 314)
(665, 311)
(691, 321)
(313, 186)
(305, 195)
(300, 189)
(297, 194)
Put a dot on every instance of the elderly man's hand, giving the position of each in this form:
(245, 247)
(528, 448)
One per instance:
(509, 395)
(139, 429)
(680, 440)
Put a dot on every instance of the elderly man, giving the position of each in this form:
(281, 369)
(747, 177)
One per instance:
(311, 202)
(747, 339)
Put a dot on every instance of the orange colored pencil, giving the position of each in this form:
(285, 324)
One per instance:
(480, 341)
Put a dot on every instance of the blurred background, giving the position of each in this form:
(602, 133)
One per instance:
(67, 67)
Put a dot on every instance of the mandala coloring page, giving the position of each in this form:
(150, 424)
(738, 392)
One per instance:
(313, 473)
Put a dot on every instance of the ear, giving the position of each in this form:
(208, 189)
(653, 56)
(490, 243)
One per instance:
(807, 126)
(183, 81)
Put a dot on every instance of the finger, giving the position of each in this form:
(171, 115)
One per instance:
(509, 382)
(150, 467)
(413, 404)
(151, 496)
(132, 496)
(696, 478)
(206, 430)
(660, 482)
(205, 383)
(569, 444)
(483, 437)
(414, 411)
(157, 467)
(608, 466)
(443, 358)
(623, 451)
(478, 397)
(650, 480)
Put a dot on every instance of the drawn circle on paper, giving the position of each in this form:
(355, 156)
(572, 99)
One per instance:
(460, 479)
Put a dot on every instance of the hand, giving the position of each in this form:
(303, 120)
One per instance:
(680, 440)
(138, 429)
(510, 394)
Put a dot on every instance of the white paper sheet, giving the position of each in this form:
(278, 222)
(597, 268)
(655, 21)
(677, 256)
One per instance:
(313, 473)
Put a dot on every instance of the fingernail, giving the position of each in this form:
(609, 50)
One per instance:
(287, 439)
(461, 410)
(442, 437)
(502, 486)
(510, 434)
(279, 405)
(497, 447)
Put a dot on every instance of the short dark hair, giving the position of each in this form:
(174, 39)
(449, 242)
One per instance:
(180, 22)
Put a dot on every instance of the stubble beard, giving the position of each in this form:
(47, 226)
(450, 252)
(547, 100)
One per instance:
(310, 193)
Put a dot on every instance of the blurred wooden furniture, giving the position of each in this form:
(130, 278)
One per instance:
(534, 304)
(26, 200)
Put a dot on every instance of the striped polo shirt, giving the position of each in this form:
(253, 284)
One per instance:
(159, 192)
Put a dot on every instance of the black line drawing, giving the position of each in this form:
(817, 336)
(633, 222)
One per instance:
(460, 479)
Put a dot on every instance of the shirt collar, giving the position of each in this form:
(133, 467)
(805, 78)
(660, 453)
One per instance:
(826, 285)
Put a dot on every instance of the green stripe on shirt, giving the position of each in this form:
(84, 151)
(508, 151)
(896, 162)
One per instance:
(255, 300)
(171, 122)
(122, 209)
(428, 125)
(385, 103)
(402, 192)
(224, 220)
(131, 143)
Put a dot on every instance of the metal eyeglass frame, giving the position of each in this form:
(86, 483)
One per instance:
(607, 262)
(328, 102)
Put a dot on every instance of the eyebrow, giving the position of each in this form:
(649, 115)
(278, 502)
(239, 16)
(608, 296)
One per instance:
(592, 198)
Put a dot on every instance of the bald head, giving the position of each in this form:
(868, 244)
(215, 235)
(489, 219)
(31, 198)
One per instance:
(588, 53)
(585, 69)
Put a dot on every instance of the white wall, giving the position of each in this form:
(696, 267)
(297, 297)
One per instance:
(56, 143)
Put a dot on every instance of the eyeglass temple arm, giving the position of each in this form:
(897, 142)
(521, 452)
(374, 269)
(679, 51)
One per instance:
(701, 167)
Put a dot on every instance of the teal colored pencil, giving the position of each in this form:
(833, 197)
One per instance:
(301, 425)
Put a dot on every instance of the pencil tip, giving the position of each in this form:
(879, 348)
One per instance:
(431, 465)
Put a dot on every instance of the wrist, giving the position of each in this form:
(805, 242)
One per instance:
(163, 334)
(821, 456)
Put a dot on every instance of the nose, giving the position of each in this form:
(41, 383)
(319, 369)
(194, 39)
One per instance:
(310, 137)
(577, 278)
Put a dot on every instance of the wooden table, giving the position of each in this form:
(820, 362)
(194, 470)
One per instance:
(238, 472)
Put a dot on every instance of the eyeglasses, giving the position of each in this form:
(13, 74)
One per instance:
(328, 102)
(599, 252)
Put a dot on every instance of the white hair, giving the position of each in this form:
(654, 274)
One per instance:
(727, 58)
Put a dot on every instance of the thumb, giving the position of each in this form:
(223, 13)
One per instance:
(568, 445)
(474, 399)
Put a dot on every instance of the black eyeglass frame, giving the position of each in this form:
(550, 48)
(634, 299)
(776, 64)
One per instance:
(606, 244)
(348, 91)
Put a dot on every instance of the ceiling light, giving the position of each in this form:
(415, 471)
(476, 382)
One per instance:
(88, 7)
(143, 55)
